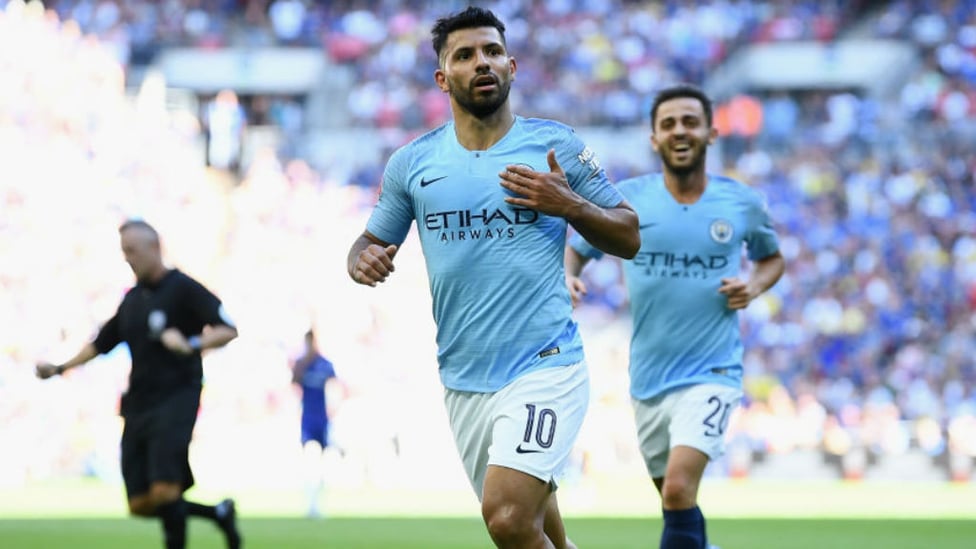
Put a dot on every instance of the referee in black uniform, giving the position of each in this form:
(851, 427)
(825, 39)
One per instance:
(167, 319)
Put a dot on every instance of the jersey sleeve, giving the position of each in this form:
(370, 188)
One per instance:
(393, 214)
(108, 336)
(583, 171)
(583, 247)
(762, 241)
(206, 307)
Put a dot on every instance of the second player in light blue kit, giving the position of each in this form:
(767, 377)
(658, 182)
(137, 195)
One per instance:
(685, 292)
(492, 195)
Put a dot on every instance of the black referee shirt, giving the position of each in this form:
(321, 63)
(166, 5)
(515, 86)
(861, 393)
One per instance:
(146, 310)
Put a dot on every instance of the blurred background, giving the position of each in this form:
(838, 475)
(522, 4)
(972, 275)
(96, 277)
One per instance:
(253, 133)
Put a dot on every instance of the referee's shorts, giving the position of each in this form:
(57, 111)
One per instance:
(156, 443)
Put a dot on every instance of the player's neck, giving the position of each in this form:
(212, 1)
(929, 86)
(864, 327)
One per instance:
(479, 134)
(686, 188)
(158, 274)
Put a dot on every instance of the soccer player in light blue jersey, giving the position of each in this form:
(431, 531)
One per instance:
(493, 195)
(685, 291)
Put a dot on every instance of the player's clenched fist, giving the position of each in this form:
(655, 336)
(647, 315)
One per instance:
(45, 370)
(373, 264)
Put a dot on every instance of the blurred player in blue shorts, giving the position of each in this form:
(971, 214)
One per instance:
(685, 291)
(312, 372)
(493, 194)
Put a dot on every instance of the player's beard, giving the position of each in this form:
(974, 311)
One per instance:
(696, 161)
(479, 105)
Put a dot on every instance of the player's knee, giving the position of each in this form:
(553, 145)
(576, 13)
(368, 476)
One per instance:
(679, 493)
(507, 525)
(141, 507)
(161, 493)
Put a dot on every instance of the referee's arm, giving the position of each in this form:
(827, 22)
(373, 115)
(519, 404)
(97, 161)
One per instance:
(45, 370)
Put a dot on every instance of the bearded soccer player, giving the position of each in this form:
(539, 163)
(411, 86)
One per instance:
(685, 293)
(493, 194)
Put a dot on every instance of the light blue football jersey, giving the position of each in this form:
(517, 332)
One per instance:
(683, 331)
(496, 273)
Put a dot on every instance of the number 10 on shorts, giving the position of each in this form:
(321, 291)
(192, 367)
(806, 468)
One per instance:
(541, 425)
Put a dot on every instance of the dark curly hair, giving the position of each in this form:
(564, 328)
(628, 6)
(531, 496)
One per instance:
(471, 18)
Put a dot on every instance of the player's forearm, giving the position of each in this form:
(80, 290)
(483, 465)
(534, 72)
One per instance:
(766, 273)
(215, 337)
(611, 230)
(86, 353)
(357, 248)
(573, 261)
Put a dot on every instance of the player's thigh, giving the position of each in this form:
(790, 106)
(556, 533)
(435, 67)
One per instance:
(169, 445)
(538, 419)
(470, 420)
(652, 418)
(505, 428)
(134, 459)
(522, 496)
(700, 417)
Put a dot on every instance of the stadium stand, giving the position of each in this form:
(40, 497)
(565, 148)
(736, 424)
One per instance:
(861, 361)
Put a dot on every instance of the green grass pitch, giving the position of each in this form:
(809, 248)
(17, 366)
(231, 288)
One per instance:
(460, 533)
(741, 515)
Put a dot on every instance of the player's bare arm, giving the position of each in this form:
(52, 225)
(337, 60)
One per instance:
(573, 264)
(370, 260)
(612, 230)
(766, 272)
(45, 370)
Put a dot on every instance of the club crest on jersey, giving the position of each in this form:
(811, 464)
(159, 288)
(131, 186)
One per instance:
(721, 231)
(156, 322)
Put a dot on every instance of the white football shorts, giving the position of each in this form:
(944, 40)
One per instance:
(530, 425)
(695, 416)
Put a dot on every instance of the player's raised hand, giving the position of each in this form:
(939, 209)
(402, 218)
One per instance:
(374, 264)
(738, 293)
(547, 192)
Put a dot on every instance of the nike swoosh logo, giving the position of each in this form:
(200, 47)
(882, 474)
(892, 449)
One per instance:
(425, 182)
(646, 225)
(521, 450)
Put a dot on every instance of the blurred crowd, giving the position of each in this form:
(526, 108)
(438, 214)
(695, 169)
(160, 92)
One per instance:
(588, 61)
(866, 347)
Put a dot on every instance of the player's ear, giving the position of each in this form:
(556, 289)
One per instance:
(512, 67)
(712, 135)
(441, 80)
